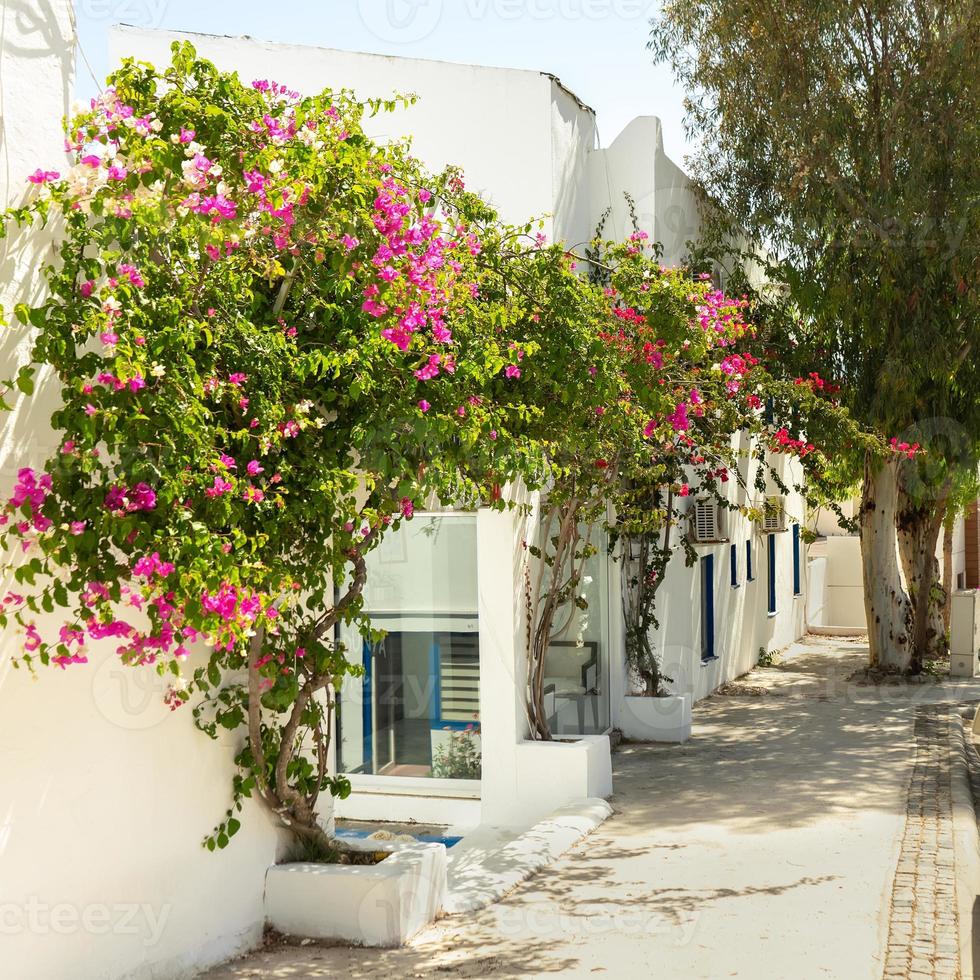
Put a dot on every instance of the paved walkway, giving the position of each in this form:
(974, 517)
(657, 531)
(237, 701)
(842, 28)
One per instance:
(766, 847)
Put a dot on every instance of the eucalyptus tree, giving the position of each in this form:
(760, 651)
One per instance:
(845, 137)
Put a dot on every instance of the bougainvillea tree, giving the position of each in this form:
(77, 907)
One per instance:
(272, 345)
(685, 391)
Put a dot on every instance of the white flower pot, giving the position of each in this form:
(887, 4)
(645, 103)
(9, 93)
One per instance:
(370, 905)
(657, 719)
(551, 774)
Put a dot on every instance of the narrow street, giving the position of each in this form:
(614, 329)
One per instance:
(766, 847)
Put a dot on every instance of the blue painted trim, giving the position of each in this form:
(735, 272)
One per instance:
(367, 710)
(797, 585)
(749, 573)
(437, 724)
(707, 607)
(772, 574)
(435, 676)
(734, 564)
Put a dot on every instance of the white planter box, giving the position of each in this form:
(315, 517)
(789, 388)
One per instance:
(551, 774)
(371, 905)
(657, 719)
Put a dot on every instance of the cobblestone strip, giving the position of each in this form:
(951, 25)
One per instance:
(923, 939)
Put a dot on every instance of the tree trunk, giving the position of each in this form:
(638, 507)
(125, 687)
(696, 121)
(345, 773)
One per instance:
(885, 602)
(948, 584)
(918, 523)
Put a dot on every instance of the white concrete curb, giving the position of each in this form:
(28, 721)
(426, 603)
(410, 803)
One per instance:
(489, 862)
(966, 840)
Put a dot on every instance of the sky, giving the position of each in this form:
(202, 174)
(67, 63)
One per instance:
(596, 47)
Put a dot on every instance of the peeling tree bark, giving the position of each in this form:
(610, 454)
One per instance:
(886, 604)
(918, 523)
(948, 584)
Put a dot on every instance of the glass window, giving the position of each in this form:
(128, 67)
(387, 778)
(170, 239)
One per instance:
(576, 691)
(416, 711)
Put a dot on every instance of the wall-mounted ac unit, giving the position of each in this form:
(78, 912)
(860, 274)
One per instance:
(774, 515)
(707, 521)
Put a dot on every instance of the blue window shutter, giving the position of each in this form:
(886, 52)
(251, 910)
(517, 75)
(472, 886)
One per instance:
(796, 560)
(772, 574)
(734, 563)
(707, 607)
(748, 561)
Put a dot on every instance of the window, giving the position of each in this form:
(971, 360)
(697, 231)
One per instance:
(421, 683)
(772, 574)
(770, 412)
(734, 564)
(797, 584)
(708, 608)
(749, 573)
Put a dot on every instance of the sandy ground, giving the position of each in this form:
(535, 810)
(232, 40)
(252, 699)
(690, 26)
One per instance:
(763, 848)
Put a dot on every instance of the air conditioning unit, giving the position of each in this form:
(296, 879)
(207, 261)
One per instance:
(774, 515)
(707, 521)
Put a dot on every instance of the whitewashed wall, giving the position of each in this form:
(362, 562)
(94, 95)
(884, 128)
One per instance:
(742, 623)
(495, 123)
(105, 795)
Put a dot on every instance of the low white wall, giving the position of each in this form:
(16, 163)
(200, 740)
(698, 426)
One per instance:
(105, 795)
(105, 799)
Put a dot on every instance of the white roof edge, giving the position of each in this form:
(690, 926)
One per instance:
(190, 35)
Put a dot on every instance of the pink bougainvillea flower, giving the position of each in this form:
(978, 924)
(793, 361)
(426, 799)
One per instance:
(407, 507)
(254, 468)
(512, 371)
(219, 488)
(87, 288)
(44, 176)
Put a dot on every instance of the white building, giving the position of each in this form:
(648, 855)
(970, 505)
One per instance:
(445, 588)
(105, 795)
